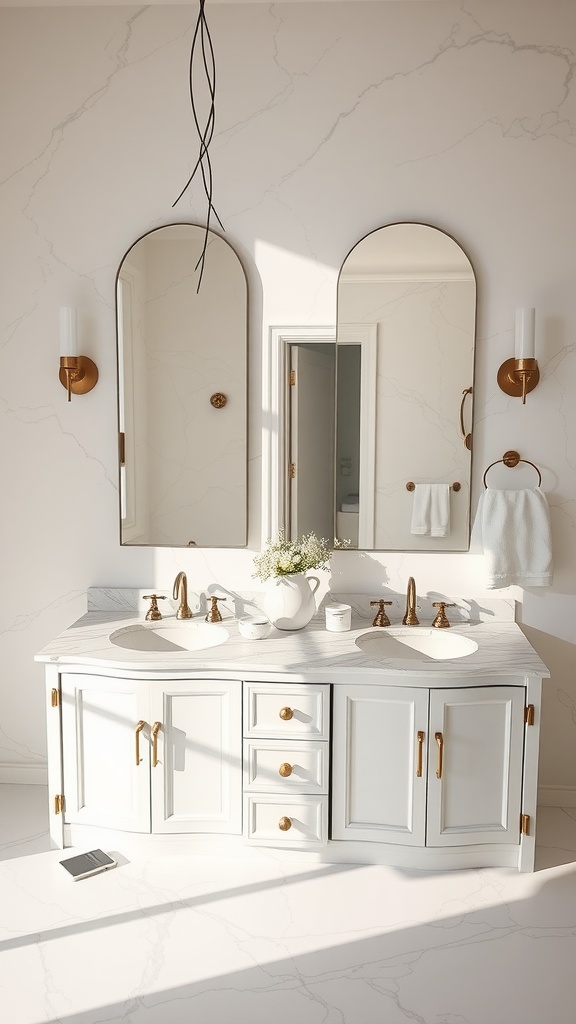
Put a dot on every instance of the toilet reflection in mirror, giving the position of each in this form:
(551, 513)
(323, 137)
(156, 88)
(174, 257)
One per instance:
(405, 359)
(182, 376)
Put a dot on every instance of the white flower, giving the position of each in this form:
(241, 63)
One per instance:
(283, 556)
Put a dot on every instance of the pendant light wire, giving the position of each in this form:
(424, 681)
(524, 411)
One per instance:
(203, 164)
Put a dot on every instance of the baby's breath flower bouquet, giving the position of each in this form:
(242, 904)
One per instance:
(283, 557)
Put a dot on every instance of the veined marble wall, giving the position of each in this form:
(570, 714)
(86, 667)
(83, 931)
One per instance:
(332, 119)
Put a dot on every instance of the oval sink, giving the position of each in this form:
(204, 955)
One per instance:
(178, 637)
(416, 644)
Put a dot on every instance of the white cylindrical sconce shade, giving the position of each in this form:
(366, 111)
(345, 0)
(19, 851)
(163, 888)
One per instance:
(524, 336)
(68, 334)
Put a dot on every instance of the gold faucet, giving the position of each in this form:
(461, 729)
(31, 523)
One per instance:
(441, 620)
(214, 612)
(410, 618)
(180, 593)
(381, 618)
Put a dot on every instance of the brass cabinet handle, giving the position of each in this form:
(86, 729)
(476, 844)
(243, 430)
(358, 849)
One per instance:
(285, 823)
(137, 732)
(285, 770)
(440, 741)
(286, 714)
(420, 739)
(154, 734)
(466, 437)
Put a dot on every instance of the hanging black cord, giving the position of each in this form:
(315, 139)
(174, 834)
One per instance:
(203, 162)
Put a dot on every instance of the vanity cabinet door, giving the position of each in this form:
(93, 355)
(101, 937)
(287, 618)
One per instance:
(474, 796)
(196, 756)
(104, 782)
(379, 764)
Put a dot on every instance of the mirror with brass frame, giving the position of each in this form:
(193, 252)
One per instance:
(182, 386)
(400, 412)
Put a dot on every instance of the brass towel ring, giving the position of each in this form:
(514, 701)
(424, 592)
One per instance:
(512, 459)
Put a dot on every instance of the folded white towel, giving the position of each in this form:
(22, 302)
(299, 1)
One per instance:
(431, 510)
(514, 530)
(440, 510)
(351, 503)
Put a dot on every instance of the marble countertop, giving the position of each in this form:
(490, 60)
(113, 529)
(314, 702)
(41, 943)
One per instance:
(313, 652)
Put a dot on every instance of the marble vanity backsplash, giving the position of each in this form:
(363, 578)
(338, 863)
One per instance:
(238, 603)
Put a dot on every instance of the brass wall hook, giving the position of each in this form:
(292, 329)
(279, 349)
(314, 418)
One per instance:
(218, 400)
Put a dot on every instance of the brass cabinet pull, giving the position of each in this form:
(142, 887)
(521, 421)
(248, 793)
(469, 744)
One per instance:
(420, 739)
(154, 734)
(285, 770)
(466, 437)
(285, 823)
(137, 732)
(440, 741)
(286, 714)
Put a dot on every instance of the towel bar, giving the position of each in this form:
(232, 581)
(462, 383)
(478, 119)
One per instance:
(455, 486)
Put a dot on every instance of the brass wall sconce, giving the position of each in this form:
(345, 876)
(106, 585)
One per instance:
(520, 375)
(78, 374)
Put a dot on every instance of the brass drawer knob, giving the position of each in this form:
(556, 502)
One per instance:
(285, 823)
(286, 714)
(285, 770)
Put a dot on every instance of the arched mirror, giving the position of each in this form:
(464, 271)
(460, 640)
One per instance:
(397, 426)
(405, 365)
(182, 378)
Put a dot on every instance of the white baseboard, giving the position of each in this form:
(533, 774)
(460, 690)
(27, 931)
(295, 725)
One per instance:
(23, 774)
(557, 796)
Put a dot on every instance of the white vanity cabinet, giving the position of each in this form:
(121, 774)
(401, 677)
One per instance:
(286, 764)
(431, 767)
(151, 755)
(307, 744)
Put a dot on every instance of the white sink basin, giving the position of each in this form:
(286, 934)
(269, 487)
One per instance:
(416, 644)
(177, 637)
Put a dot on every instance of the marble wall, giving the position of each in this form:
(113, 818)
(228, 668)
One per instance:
(332, 119)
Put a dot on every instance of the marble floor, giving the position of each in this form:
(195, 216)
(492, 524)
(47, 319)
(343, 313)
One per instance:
(173, 940)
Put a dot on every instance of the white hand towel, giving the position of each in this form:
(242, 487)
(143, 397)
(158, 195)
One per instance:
(514, 529)
(440, 510)
(431, 510)
(420, 525)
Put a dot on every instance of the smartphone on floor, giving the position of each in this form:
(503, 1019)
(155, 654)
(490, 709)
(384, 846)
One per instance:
(86, 864)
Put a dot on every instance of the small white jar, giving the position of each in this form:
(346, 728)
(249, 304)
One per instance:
(254, 627)
(338, 617)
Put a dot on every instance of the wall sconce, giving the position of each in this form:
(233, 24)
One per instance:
(520, 375)
(78, 374)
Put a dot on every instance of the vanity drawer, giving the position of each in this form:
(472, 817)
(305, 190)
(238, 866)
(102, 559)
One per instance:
(272, 820)
(293, 767)
(286, 711)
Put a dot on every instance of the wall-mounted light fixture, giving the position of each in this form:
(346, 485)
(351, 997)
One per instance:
(520, 375)
(78, 374)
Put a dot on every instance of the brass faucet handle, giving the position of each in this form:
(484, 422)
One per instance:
(214, 612)
(441, 620)
(154, 614)
(381, 618)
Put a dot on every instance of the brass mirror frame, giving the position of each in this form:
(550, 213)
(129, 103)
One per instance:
(217, 400)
